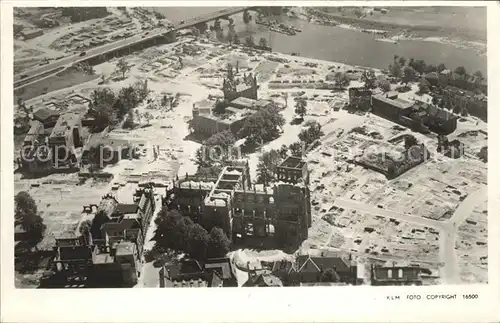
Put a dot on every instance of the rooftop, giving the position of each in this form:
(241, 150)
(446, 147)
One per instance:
(293, 162)
(44, 114)
(126, 208)
(399, 103)
(64, 124)
(249, 103)
(125, 248)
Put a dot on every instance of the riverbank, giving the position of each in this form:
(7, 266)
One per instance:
(397, 30)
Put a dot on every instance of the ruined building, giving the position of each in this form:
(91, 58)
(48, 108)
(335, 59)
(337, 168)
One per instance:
(257, 215)
(235, 88)
(51, 141)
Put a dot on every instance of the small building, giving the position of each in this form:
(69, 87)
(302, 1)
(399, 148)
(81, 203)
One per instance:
(31, 33)
(398, 276)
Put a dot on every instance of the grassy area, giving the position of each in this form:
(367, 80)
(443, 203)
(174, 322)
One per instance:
(59, 81)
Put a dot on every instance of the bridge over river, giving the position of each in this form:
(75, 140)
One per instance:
(122, 47)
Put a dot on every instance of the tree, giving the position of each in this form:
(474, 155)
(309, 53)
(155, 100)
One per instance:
(301, 107)
(296, 149)
(172, 229)
(423, 86)
(218, 243)
(329, 276)
(104, 115)
(263, 125)
(201, 158)
(461, 71)
(408, 75)
(385, 85)
(262, 42)
(266, 168)
(419, 66)
(369, 79)
(246, 17)
(430, 68)
(127, 100)
(129, 122)
(122, 67)
(478, 74)
(395, 70)
(103, 96)
(402, 61)
(220, 142)
(26, 214)
(148, 117)
(410, 141)
(311, 134)
(441, 67)
(250, 41)
(236, 39)
(197, 242)
(342, 80)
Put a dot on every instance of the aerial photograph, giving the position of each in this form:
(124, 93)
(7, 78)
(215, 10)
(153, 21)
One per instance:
(167, 147)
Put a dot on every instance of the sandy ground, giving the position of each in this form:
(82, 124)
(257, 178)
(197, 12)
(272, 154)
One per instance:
(356, 192)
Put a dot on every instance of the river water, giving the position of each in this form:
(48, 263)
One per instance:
(341, 45)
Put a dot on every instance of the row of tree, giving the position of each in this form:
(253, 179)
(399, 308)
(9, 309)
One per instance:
(421, 67)
(177, 232)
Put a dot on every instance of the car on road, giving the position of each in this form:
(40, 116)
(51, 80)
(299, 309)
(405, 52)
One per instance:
(24, 76)
(83, 53)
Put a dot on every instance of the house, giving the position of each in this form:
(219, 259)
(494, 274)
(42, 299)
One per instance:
(397, 275)
(262, 278)
(214, 272)
(124, 222)
(310, 270)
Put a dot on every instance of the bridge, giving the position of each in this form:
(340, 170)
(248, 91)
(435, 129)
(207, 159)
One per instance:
(122, 47)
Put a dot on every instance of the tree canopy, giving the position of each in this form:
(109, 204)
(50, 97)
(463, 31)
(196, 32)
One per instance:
(369, 79)
(122, 67)
(342, 80)
(26, 214)
(218, 243)
(408, 75)
(312, 133)
(264, 125)
(266, 168)
(301, 107)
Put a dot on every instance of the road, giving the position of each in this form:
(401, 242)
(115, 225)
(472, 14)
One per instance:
(373, 210)
(70, 60)
(447, 251)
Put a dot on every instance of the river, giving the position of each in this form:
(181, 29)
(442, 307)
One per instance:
(340, 44)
